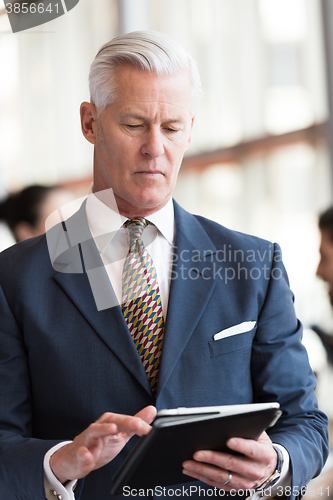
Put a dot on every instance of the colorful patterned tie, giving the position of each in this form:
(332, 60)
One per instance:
(142, 307)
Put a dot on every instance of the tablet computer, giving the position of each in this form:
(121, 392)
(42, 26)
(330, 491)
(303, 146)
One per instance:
(176, 434)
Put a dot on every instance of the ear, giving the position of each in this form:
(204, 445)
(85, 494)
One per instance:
(190, 136)
(24, 231)
(88, 114)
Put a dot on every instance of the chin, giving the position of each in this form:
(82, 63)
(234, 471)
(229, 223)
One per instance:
(149, 200)
(330, 294)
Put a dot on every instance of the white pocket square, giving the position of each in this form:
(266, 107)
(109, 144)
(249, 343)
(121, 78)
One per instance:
(246, 326)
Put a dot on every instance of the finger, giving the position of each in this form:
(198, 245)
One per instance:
(128, 424)
(260, 452)
(251, 448)
(264, 437)
(261, 456)
(246, 447)
(106, 417)
(147, 414)
(208, 471)
(205, 480)
(246, 469)
(219, 459)
(215, 477)
(98, 430)
(139, 424)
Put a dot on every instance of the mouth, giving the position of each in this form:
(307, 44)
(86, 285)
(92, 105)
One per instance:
(150, 173)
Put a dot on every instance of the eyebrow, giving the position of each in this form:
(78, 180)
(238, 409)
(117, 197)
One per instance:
(140, 117)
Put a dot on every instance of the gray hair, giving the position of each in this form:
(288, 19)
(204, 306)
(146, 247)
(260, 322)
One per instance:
(149, 50)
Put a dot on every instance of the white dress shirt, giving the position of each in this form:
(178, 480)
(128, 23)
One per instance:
(112, 241)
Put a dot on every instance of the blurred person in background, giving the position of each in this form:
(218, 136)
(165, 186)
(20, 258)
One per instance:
(325, 266)
(25, 212)
(323, 486)
(325, 272)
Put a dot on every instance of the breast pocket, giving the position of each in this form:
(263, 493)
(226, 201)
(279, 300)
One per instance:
(231, 344)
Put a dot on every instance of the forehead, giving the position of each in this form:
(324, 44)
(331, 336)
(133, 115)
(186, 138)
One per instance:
(139, 88)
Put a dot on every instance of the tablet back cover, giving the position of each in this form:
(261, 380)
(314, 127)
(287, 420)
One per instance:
(157, 458)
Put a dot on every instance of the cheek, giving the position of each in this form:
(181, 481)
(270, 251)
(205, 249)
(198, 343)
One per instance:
(325, 271)
(328, 271)
(175, 153)
(127, 153)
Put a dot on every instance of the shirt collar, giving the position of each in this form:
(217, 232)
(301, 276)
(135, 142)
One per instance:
(104, 222)
(164, 220)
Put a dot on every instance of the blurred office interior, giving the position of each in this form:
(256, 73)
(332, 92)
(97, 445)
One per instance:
(260, 160)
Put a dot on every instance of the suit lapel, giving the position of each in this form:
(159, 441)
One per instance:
(83, 278)
(190, 290)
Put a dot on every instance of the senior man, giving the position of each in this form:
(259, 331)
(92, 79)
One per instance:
(80, 337)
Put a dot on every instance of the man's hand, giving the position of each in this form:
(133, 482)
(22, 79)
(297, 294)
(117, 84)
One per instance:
(249, 471)
(99, 444)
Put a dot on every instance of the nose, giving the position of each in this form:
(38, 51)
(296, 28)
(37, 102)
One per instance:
(153, 145)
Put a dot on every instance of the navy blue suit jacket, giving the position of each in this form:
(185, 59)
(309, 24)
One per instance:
(63, 363)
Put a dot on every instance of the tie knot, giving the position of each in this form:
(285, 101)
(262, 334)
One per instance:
(135, 227)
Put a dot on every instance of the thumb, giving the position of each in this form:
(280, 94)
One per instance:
(264, 438)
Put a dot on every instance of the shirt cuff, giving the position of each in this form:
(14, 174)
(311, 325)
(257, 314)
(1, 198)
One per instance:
(54, 490)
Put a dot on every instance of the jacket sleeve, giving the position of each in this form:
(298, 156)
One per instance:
(21, 456)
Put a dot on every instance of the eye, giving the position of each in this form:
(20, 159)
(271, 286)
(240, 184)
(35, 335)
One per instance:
(132, 126)
(169, 129)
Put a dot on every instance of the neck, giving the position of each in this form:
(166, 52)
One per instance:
(125, 208)
(133, 212)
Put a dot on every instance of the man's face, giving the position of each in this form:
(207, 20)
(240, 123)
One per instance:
(140, 140)
(325, 266)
